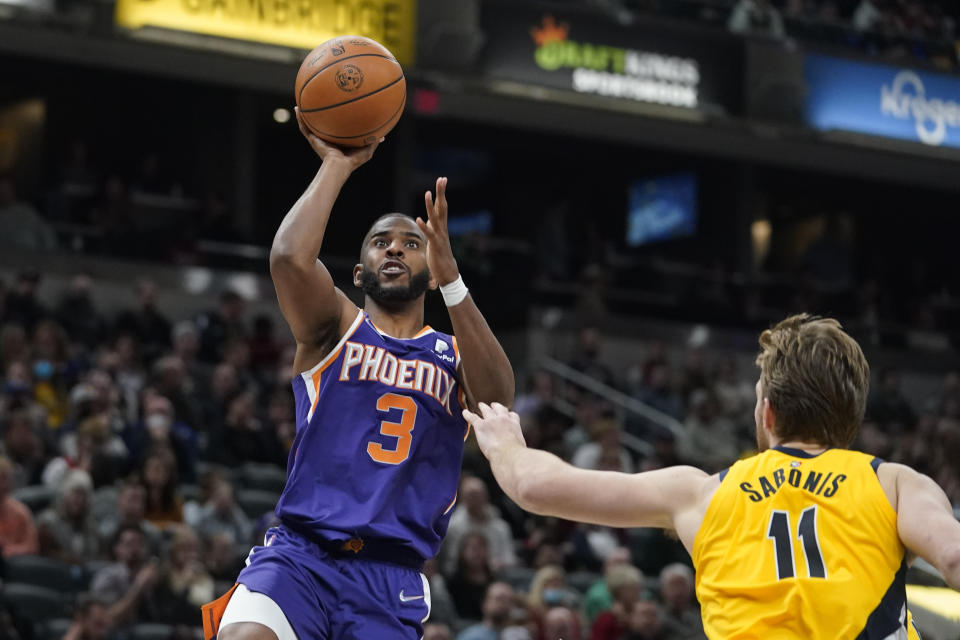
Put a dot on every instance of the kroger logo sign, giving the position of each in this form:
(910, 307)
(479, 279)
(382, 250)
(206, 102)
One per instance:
(906, 98)
(882, 100)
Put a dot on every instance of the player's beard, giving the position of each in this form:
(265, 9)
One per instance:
(396, 294)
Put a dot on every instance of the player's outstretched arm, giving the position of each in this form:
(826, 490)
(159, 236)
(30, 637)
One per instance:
(925, 521)
(485, 371)
(308, 298)
(542, 483)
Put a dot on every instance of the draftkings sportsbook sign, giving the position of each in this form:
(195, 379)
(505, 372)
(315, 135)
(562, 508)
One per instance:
(590, 53)
(301, 24)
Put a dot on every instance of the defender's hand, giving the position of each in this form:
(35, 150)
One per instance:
(440, 260)
(499, 427)
(352, 157)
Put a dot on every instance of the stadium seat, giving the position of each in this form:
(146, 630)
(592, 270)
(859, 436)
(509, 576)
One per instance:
(33, 602)
(189, 492)
(151, 631)
(54, 629)
(104, 502)
(37, 497)
(582, 580)
(43, 572)
(519, 578)
(255, 502)
(264, 477)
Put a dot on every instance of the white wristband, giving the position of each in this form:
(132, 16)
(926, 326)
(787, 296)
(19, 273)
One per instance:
(455, 292)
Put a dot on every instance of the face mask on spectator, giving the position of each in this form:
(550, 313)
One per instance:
(554, 597)
(42, 370)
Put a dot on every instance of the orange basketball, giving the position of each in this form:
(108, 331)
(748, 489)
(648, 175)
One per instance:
(350, 91)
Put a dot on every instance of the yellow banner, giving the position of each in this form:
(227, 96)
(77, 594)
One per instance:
(301, 24)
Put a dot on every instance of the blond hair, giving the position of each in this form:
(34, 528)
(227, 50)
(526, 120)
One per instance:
(816, 378)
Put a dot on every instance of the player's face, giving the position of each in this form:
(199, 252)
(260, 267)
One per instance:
(394, 267)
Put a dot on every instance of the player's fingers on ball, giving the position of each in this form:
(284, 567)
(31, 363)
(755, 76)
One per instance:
(515, 416)
(470, 416)
(485, 410)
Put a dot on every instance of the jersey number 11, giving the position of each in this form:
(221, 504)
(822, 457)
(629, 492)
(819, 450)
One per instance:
(780, 532)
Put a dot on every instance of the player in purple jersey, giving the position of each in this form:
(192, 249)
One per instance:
(374, 467)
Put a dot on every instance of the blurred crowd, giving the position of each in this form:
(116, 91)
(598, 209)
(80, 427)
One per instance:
(142, 456)
(893, 29)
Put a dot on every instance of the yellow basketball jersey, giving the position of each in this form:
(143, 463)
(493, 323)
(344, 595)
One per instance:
(795, 545)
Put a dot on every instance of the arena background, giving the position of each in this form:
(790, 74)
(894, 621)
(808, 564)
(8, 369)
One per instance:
(637, 187)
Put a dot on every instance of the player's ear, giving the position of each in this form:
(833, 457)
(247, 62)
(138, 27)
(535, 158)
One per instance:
(357, 280)
(769, 417)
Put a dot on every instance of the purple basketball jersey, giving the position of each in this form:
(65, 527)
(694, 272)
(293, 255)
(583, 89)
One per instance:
(379, 440)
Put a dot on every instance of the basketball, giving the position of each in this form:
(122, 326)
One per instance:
(350, 91)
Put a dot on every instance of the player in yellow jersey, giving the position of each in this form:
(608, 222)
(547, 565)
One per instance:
(807, 539)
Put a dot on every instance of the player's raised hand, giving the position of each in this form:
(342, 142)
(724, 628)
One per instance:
(443, 266)
(354, 157)
(496, 427)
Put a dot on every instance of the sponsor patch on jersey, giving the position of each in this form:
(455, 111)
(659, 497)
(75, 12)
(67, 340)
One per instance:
(440, 347)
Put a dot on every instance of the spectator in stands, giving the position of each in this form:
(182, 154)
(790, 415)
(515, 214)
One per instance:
(472, 576)
(67, 530)
(224, 384)
(169, 378)
(598, 597)
(604, 450)
(680, 614)
(91, 620)
(436, 631)
(18, 533)
(709, 440)
(889, 406)
(146, 321)
(586, 359)
(281, 418)
(184, 584)
(21, 226)
(221, 325)
(265, 349)
(756, 17)
(21, 305)
(160, 428)
(539, 394)
(13, 342)
(645, 623)
(185, 340)
(23, 447)
(659, 393)
(497, 604)
(221, 559)
(91, 448)
(549, 589)
(130, 510)
(127, 585)
(475, 513)
(442, 608)
(560, 623)
(50, 354)
(123, 364)
(78, 315)
(223, 515)
(159, 476)
(625, 583)
(242, 437)
(867, 16)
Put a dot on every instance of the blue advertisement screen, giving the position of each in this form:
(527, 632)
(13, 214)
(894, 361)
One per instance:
(661, 208)
(882, 100)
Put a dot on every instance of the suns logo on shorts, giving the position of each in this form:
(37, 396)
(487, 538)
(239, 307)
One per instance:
(349, 78)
